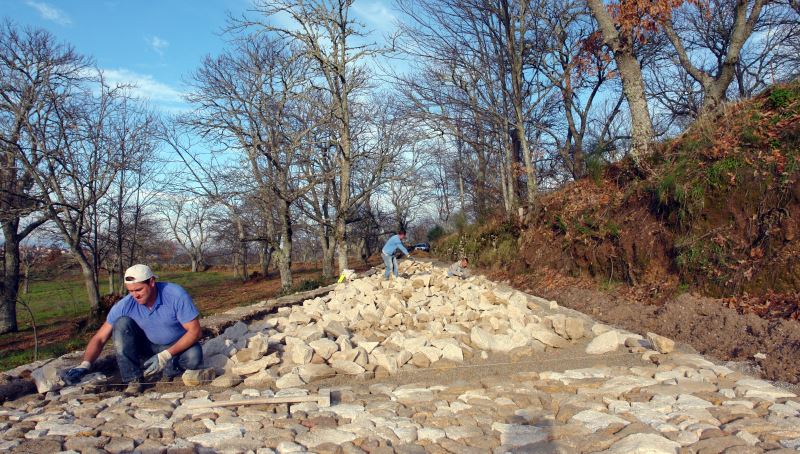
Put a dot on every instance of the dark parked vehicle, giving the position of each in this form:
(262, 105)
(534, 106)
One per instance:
(422, 247)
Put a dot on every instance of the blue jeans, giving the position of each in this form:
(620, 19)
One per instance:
(133, 348)
(391, 265)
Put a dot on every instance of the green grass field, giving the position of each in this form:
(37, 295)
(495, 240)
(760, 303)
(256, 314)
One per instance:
(56, 300)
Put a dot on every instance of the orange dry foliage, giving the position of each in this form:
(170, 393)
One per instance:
(593, 54)
(771, 305)
(641, 18)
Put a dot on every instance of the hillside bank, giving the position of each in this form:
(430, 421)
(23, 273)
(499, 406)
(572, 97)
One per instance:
(699, 243)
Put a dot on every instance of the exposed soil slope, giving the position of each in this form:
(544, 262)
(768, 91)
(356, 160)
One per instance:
(715, 211)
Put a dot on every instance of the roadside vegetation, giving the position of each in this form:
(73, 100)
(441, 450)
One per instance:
(714, 212)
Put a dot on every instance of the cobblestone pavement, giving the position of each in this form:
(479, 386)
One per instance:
(423, 364)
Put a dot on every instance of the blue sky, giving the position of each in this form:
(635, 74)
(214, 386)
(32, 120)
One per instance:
(154, 44)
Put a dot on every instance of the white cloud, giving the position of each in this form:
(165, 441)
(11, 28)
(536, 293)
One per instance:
(50, 13)
(158, 44)
(146, 87)
(376, 14)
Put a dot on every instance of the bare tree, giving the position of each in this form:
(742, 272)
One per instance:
(71, 153)
(719, 28)
(575, 63)
(257, 100)
(34, 70)
(189, 220)
(79, 159)
(326, 34)
(621, 36)
(137, 130)
(221, 182)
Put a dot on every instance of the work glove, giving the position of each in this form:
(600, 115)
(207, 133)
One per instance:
(76, 374)
(156, 363)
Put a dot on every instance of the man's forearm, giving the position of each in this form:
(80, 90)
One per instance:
(93, 349)
(186, 341)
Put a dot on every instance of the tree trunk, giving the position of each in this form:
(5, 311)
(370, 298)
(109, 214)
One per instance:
(362, 249)
(512, 185)
(265, 254)
(195, 264)
(285, 248)
(10, 284)
(341, 244)
(285, 269)
(328, 248)
(514, 47)
(632, 81)
(26, 281)
(480, 199)
(633, 88)
(343, 208)
(460, 167)
(530, 169)
(242, 253)
(92, 290)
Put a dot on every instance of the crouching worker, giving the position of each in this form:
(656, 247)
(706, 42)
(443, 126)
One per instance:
(156, 323)
(459, 268)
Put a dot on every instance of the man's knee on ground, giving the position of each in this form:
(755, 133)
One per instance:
(192, 358)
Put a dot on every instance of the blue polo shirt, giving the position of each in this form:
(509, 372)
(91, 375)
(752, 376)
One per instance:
(392, 244)
(163, 324)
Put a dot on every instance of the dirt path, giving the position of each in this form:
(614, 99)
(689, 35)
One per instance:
(704, 323)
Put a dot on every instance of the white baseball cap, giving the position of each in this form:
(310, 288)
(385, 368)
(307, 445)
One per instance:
(138, 273)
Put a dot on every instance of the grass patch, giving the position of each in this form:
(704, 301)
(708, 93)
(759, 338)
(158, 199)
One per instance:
(53, 300)
(487, 245)
(18, 358)
(781, 97)
(306, 285)
(66, 298)
(720, 173)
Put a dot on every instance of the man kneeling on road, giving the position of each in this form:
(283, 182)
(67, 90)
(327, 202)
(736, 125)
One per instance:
(158, 321)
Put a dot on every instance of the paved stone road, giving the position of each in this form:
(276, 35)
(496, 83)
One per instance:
(425, 364)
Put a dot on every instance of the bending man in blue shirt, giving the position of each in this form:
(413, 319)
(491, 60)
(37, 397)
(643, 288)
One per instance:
(157, 321)
(394, 243)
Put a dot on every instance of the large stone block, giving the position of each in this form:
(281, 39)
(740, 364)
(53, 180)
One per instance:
(546, 336)
(47, 379)
(291, 380)
(199, 376)
(324, 347)
(299, 353)
(256, 366)
(312, 372)
(661, 343)
(247, 355)
(226, 381)
(347, 368)
(604, 343)
(481, 338)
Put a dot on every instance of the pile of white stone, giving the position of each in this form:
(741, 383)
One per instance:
(377, 327)
(681, 404)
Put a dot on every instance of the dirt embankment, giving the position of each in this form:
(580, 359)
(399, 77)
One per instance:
(703, 323)
(714, 212)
